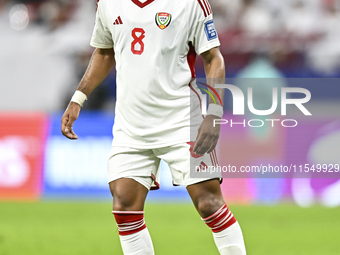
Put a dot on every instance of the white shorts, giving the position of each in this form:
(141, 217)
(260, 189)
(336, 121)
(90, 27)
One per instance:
(142, 165)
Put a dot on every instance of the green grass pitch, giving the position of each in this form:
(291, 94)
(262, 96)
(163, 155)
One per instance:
(84, 228)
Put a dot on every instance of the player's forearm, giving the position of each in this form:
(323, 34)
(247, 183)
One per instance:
(215, 73)
(100, 65)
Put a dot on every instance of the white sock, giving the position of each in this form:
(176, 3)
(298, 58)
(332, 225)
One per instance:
(226, 231)
(230, 241)
(137, 244)
(134, 236)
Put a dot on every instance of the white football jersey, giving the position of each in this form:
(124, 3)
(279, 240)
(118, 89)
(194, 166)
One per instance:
(155, 44)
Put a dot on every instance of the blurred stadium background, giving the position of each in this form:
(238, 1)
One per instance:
(53, 192)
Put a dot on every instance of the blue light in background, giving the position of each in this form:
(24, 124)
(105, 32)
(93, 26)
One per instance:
(78, 169)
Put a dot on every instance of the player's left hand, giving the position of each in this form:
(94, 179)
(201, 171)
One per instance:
(207, 136)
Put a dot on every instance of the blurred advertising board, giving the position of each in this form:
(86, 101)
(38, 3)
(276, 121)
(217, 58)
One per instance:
(22, 145)
(77, 168)
(279, 139)
(284, 146)
(313, 146)
(36, 161)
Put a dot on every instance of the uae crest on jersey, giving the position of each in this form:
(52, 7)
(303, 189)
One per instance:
(163, 20)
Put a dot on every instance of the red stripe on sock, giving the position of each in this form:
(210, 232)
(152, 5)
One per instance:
(129, 222)
(220, 220)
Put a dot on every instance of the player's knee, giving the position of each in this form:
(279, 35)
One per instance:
(119, 207)
(128, 195)
(120, 204)
(208, 206)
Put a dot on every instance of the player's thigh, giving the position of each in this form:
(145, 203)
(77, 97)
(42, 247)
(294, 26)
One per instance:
(130, 174)
(128, 194)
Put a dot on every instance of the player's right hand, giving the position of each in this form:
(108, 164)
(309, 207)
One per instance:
(69, 117)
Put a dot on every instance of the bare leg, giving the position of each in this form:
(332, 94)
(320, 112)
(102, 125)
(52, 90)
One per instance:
(128, 204)
(128, 195)
(207, 197)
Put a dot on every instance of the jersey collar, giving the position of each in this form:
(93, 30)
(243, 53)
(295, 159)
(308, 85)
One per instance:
(142, 5)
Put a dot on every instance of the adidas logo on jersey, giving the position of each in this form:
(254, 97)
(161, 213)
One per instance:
(118, 21)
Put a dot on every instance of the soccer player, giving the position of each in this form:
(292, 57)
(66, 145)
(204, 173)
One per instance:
(153, 45)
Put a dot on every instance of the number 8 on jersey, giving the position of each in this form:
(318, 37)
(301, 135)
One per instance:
(138, 35)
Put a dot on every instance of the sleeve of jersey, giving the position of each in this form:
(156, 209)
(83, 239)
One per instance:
(101, 37)
(204, 35)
